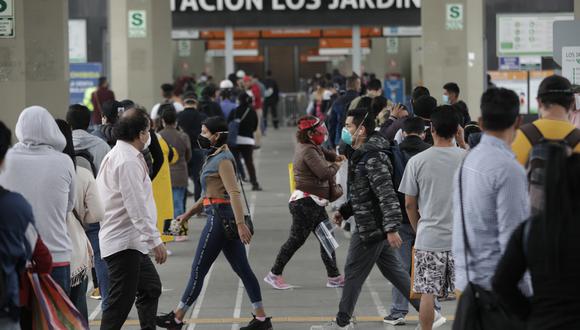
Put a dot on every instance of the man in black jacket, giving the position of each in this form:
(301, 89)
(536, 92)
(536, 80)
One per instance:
(372, 200)
(189, 120)
(208, 105)
(271, 100)
(339, 109)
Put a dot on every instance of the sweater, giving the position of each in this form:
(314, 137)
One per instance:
(314, 167)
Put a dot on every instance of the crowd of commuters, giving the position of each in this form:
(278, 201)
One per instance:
(116, 173)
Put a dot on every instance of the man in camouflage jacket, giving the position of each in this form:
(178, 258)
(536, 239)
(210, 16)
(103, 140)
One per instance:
(373, 202)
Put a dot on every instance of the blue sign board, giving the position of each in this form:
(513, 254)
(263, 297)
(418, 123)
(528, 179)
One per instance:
(83, 76)
(394, 90)
(509, 63)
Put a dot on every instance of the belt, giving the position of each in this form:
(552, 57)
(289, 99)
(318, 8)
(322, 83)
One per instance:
(213, 201)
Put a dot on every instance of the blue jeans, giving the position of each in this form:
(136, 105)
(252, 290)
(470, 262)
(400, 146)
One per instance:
(211, 242)
(61, 275)
(178, 201)
(195, 165)
(78, 296)
(400, 305)
(100, 265)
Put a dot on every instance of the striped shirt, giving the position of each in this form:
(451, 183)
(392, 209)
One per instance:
(495, 202)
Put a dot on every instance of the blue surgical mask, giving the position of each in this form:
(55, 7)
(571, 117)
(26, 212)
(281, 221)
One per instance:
(445, 99)
(346, 137)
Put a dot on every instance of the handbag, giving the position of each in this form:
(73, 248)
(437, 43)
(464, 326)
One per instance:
(412, 293)
(51, 307)
(335, 190)
(478, 308)
(234, 129)
(229, 222)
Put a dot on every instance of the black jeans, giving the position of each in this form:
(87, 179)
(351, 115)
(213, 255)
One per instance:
(131, 275)
(247, 152)
(306, 215)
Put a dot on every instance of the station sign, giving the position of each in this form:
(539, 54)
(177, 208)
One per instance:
(7, 19)
(571, 64)
(527, 34)
(294, 13)
(137, 24)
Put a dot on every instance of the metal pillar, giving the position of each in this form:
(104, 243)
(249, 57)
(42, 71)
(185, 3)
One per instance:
(229, 50)
(356, 50)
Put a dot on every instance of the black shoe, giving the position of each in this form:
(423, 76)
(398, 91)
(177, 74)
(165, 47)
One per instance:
(342, 320)
(255, 324)
(167, 321)
(256, 187)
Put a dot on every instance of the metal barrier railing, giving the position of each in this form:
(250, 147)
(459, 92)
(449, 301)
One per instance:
(293, 106)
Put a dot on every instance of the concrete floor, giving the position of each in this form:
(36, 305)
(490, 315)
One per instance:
(223, 301)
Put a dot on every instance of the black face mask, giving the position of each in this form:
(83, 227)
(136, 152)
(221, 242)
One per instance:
(203, 142)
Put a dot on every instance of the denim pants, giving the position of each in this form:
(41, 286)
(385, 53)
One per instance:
(400, 305)
(211, 242)
(61, 275)
(178, 201)
(100, 264)
(78, 296)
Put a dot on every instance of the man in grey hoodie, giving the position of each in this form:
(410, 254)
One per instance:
(79, 118)
(37, 169)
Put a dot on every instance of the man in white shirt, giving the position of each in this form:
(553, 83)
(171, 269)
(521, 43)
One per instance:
(128, 230)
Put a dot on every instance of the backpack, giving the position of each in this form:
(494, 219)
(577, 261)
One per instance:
(85, 159)
(536, 163)
(234, 129)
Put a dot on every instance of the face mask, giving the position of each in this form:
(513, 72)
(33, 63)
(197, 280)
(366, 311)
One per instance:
(318, 139)
(346, 136)
(203, 142)
(445, 99)
(577, 97)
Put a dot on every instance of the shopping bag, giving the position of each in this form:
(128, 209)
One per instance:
(412, 293)
(51, 307)
(324, 234)
(341, 179)
(174, 227)
(291, 177)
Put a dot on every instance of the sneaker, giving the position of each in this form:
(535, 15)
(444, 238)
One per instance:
(256, 187)
(167, 321)
(169, 253)
(96, 294)
(394, 319)
(277, 282)
(335, 282)
(342, 320)
(256, 324)
(439, 320)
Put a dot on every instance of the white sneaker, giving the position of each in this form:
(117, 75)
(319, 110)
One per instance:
(438, 322)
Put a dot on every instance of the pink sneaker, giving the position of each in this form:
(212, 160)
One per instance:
(277, 282)
(335, 282)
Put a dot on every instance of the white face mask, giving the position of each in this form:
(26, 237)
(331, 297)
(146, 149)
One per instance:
(445, 99)
(148, 143)
(577, 97)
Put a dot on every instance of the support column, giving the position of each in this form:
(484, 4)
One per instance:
(142, 61)
(229, 35)
(577, 9)
(356, 50)
(454, 54)
(34, 64)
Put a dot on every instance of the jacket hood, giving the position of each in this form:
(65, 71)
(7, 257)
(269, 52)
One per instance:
(84, 140)
(375, 142)
(36, 126)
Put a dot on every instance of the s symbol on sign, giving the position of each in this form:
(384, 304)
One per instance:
(3, 5)
(454, 12)
(137, 19)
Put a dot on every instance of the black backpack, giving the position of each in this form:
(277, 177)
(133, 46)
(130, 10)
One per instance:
(87, 157)
(536, 163)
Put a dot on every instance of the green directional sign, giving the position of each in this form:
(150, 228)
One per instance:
(137, 24)
(454, 16)
(6, 18)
